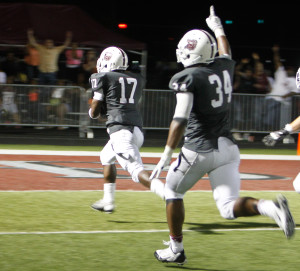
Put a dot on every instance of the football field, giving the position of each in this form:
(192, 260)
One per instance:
(47, 222)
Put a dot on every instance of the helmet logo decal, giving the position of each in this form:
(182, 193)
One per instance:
(191, 44)
(107, 56)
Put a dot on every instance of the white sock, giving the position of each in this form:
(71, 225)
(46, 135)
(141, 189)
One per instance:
(158, 187)
(175, 245)
(109, 192)
(267, 208)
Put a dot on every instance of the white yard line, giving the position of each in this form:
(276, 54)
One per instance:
(143, 154)
(133, 231)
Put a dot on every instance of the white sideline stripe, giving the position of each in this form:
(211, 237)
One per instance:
(133, 231)
(143, 154)
(136, 191)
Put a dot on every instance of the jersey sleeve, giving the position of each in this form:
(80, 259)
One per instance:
(97, 82)
(182, 82)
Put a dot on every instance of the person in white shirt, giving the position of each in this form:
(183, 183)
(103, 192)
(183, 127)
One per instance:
(278, 106)
(292, 127)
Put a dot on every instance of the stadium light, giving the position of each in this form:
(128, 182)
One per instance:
(122, 26)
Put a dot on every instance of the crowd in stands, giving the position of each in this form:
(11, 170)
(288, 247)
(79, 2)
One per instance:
(69, 64)
(47, 63)
(273, 88)
(44, 64)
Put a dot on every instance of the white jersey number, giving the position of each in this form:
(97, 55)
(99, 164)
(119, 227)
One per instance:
(225, 87)
(133, 81)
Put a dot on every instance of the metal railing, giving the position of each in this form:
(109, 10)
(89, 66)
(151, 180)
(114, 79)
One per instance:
(67, 106)
(43, 106)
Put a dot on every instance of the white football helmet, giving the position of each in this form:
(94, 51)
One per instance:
(196, 46)
(112, 58)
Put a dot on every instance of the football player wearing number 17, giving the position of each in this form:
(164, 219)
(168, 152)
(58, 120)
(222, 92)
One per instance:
(203, 93)
(117, 92)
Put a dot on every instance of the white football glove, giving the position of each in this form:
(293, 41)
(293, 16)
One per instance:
(298, 78)
(163, 162)
(214, 23)
(271, 139)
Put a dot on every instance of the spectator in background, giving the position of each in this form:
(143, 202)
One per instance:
(36, 110)
(74, 57)
(32, 61)
(89, 65)
(59, 104)
(11, 66)
(261, 81)
(8, 99)
(244, 77)
(262, 87)
(49, 55)
(3, 76)
(243, 84)
(278, 102)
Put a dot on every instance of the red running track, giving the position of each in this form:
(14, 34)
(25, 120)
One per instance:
(51, 172)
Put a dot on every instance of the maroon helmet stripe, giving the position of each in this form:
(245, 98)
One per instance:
(123, 54)
(211, 42)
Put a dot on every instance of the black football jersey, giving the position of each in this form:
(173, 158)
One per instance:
(211, 86)
(122, 91)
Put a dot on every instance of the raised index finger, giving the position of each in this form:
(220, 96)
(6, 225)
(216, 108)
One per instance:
(212, 11)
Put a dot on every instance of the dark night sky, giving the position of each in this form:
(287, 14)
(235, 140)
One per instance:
(161, 24)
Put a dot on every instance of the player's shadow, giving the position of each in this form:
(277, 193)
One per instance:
(203, 269)
(211, 228)
(199, 268)
(137, 222)
(219, 228)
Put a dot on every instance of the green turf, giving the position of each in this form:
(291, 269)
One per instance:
(209, 243)
(255, 244)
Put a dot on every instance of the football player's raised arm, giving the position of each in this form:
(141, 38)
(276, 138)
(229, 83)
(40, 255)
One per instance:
(215, 24)
(31, 38)
(223, 46)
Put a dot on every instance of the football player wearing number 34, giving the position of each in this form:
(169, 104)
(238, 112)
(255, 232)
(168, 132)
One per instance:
(203, 93)
(117, 92)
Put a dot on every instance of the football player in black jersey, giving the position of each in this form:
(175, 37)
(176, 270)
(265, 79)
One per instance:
(203, 93)
(118, 91)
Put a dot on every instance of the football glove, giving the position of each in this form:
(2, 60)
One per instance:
(298, 78)
(271, 139)
(214, 23)
(163, 162)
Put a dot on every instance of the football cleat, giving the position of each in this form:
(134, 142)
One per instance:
(103, 206)
(168, 256)
(283, 217)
